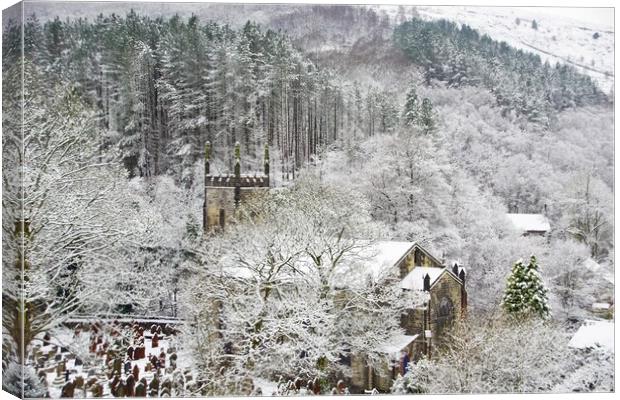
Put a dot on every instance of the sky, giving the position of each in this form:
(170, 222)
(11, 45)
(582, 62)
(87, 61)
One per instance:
(601, 17)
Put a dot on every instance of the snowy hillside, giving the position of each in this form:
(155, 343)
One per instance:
(557, 39)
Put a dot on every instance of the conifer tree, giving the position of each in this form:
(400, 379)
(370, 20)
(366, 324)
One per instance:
(426, 117)
(525, 292)
(410, 114)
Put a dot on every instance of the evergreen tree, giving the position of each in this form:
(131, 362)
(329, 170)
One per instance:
(426, 117)
(410, 114)
(525, 291)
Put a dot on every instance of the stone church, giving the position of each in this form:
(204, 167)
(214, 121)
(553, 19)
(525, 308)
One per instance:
(423, 327)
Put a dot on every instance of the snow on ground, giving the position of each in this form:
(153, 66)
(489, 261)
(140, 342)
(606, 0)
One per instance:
(594, 334)
(557, 39)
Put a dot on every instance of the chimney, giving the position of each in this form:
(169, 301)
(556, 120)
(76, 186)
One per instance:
(462, 276)
(455, 269)
(427, 283)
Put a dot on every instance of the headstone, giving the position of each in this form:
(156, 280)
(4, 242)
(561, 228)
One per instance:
(139, 353)
(42, 376)
(79, 381)
(136, 371)
(46, 339)
(78, 362)
(155, 341)
(154, 387)
(67, 375)
(140, 389)
(153, 329)
(121, 390)
(91, 381)
(117, 365)
(127, 367)
(130, 352)
(68, 390)
(130, 385)
(97, 390)
(60, 368)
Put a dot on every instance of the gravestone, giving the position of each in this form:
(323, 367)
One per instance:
(97, 390)
(117, 365)
(130, 352)
(136, 372)
(155, 341)
(141, 389)
(68, 390)
(79, 382)
(154, 387)
(127, 367)
(130, 385)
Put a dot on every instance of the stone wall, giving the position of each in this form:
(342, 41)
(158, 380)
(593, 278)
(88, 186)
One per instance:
(445, 294)
(223, 198)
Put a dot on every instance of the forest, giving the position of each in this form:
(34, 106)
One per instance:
(405, 129)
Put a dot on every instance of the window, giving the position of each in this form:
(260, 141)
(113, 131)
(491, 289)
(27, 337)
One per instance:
(445, 307)
(222, 218)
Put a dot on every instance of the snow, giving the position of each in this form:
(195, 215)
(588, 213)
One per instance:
(396, 343)
(268, 388)
(601, 306)
(415, 279)
(592, 265)
(530, 222)
(557, 39)
(593, 334)
(381, 256)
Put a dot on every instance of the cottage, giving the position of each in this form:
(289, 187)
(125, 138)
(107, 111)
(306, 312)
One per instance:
(530, 224)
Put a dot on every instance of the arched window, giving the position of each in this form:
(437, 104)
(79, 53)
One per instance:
(446, 308)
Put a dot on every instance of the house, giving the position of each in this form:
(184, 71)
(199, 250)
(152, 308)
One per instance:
(224, 193)
(530, 224)
(425, 326)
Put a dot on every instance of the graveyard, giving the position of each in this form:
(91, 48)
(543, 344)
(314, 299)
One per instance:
(121, 360)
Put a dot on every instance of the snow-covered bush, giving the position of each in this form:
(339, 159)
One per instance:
(12, 381)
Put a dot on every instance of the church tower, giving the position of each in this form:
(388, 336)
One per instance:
(224, 193)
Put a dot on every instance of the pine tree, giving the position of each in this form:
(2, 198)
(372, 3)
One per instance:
(426, 117)
(525, 291)
(410, 114)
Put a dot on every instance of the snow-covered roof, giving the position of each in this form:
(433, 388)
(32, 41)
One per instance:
(594, 334)
(415, 279)
(529, 222)
(381, 256)
(591, 264)
(396, 343)
(601, 306)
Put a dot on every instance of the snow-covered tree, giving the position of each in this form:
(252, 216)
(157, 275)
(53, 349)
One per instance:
(492, 354)
(525, 291)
